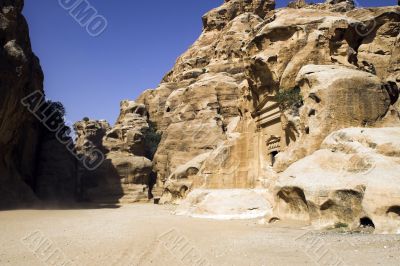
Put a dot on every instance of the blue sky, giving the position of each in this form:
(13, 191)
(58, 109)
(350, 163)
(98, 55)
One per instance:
(91, 75)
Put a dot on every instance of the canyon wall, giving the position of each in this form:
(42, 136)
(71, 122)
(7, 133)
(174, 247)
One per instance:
(298, 104)
(19, 130)
(32, 164)
(220, 97)
(125, 174)
(261, 90)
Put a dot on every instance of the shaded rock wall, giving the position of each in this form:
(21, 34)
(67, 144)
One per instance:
(32, 162)
(19, 131)
(56, 171)
(125, 175)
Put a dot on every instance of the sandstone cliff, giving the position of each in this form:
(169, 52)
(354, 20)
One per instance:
(300, 104)
(19, 131)
(352, 177)
(261, 89)
(32, 163)
(221, 91)
(126, 173)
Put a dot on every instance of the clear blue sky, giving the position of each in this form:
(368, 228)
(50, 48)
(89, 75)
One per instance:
(141, 43)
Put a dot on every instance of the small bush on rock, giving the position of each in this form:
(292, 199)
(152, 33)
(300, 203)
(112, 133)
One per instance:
(152, 140)
(289, 99)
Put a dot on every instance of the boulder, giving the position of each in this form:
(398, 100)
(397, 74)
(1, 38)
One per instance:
(335, 97)
(339, 5)
(351, 179)
(219, 17)
(127, 134)
(90, 133)
(225, 204)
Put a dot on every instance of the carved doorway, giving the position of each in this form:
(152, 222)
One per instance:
(274, 146)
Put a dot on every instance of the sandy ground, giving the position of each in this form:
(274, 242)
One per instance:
(147, 234)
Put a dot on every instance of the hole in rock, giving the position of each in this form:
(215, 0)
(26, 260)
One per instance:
(327, 205)
(295, 198)
(183, 191)
(191, 171)
(312, 112)
(273, 157)
(274, 220)
(315, 97)
(394, 209)
(113, 135)
(222, 11)
(273, 59)
(366, 222)
(140, 111)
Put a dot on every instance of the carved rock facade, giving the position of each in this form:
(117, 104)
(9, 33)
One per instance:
(223, 122)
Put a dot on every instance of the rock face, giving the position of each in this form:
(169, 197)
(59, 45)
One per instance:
(334, 97)
(19, 131)
(353, 177)
(125, 175)
(198, 101)
(26, 170)
(56, 170)
(34, 164)
(261, 89)
(219, 17)
(226, 204)
(290, 113)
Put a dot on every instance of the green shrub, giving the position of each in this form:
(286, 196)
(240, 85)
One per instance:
(54, 109)
(51, 107)
(152, 140)
(341, 225)
(288, 99)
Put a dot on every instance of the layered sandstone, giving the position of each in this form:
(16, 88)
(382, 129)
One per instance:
(352, 177)
(19, 131)
(224, 120)
(335, 97)
(125, 175)
(32, 162)
(219, 97)
(295, 110)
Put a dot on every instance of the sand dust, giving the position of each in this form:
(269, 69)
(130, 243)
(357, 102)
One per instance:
(147, 234)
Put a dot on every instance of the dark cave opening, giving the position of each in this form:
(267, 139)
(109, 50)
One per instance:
(366, 222)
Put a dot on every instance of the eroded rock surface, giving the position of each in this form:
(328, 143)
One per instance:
(245, 55)
(334, 97)
(261, 89)
(260, 101)
(19, 131)
(56, 170)
(125, 174)
(353, 177)
(31, 163)
(226, 204)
